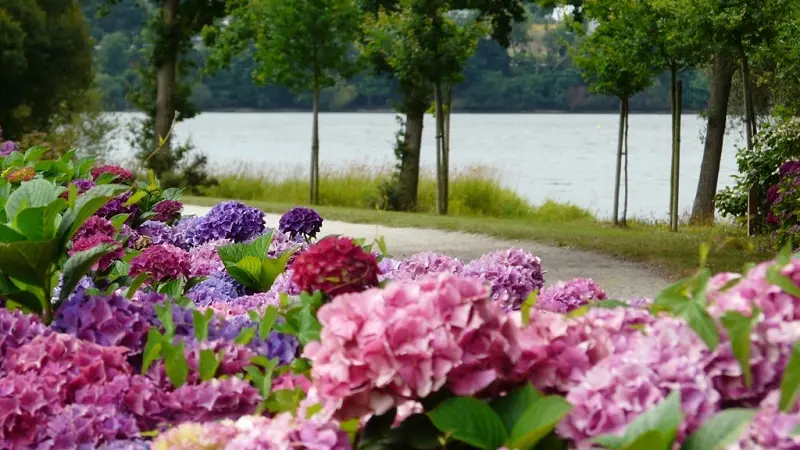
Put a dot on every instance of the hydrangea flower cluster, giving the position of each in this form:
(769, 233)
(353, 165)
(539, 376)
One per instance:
(204, 259)
(513, 275)
(383, 347)
(93, 226)
(159, 233)
(81, 186)
(564, 297)
(121, 174)
(168, 211)
(8, 147)
(420, 265)
(94, 240)
(17, 329)
(335, 266)
(228, 220)
(300, 221)
(161, 262)
(116, 206)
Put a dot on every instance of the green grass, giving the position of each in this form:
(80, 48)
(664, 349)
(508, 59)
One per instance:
(673, 255)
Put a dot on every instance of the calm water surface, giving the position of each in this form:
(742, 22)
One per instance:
(569, 158)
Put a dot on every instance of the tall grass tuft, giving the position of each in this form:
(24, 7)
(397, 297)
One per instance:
(474, 191)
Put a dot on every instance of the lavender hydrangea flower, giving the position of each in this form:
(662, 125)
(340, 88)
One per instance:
(126, 444)
(8, 147)
(81, 186)
(513, 275)
(204, 259)
(229, 220)
(116, 206)
(168, 211)
(83, 284)
(160, 233)
(185, 228)
(282, 243)
(771, 428)
(17, 329)
(84, 426)
(212, 290)
(300, 221)
(422, 264)
(564, 297)
(276, 345)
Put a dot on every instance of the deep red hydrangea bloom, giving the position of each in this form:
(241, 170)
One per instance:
(123, 175)
(167, 211)
(335, 265)
(20, 175)
(95, 225)
(93, 241)
(162, 262)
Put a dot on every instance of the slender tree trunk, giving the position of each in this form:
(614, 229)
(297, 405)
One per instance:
(313, 194)
(619, 160)
(166, 76)
(625, 202)
(721, 81)
(673, 70)
(409, 166)
(446, 148)
(676, 157)
(748, 102)
(441, 190)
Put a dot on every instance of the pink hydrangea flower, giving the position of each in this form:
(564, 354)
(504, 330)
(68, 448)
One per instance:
(204, 259)
(420, 265)
(771, 428)
(380, 348)
(624, 386)
(162, 262)
(564, 297)
(92, 241)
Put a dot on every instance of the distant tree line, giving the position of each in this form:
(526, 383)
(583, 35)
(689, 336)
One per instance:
(535, 73)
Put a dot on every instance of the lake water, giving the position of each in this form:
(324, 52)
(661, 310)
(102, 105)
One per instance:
(568, 158)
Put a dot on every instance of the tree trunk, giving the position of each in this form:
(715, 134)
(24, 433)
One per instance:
(676, 157)
(441, 206)
(446, 148)
(721, 81)
(749, 121)
(625, 202)
(409, 165)
(619, 160)
(673, 101)
(313, 193)
(165, 79)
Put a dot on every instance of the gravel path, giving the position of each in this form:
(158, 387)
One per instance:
(619, 279)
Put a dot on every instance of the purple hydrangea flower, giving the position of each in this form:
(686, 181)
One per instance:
(162, 262)
(282, 242)
(300, 221)
(771, 428)
(229, 220)
(81, 186)
(84, 426)
(623, 386)
(105, 320)
(185, 228)
(116, 206)
(564, 297)
(276, 345)
(513, 275)
(160, 233)
(17, 329)
(420, 265)
(83, 284)
(8, 147)
(212, 290)
(789, 167)
(126, 444)
(168, 211)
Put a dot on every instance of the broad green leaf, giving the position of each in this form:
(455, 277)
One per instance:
(8, 234)
(175, 363)
(26, 299)
(30, 221)
(79, 265)
(135, 285)
(270, 316)
(740, 327)
(663, 418)
(511, 406)
(790, 383)
(539, 419)
(72, 195)
(119, 220)
(720, 431)
(152, 349)
(245, 336)
(164, 314)
(242, 277)
(416, 432)
(700, 291)
(85, 206)
(271, 268)
(135, 198)
(35, 153)
(284, 400)
(651, 440)
(378, 426)
(201, 321)
(382, 246)
(30, 194)
(471, 421)
(172, 288)
(784, 256)
(208, 364)
(29, 261)
(775, 277)
(172, 194)
(529, 303)
(251, 266)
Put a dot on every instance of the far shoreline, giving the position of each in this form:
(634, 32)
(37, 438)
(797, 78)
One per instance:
(391, 111)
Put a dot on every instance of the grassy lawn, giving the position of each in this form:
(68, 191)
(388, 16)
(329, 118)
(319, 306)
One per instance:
(673, 255)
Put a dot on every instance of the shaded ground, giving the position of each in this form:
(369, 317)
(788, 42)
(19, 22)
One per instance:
(619, 279)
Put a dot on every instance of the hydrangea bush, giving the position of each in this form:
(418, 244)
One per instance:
(127, 326)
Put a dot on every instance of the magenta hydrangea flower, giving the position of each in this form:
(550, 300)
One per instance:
(95, 225)
(90, 242)
(86, 426)
(26, 405)
(771, 428)
(215, 399)
(121, 174)
(564, 297)
(300, 221)
(420, 265)
(204, 259)
(168, 211)
(106, 320)
(558, 351)
(17, 329)
(116, 206)
(620, 388)
(162, 262)
(228, 220)
(382, 347)
(513, 275)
